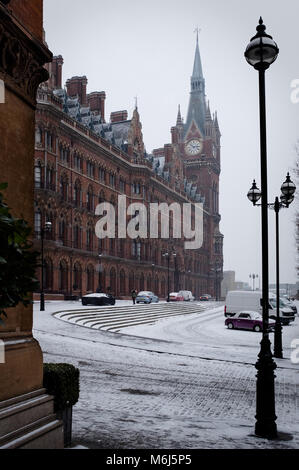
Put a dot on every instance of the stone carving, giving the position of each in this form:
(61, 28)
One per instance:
(19, 66)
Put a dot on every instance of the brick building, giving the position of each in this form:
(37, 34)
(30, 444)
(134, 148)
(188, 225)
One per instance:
(82, 160)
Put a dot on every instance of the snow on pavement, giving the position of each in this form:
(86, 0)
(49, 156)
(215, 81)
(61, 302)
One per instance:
(184, 382)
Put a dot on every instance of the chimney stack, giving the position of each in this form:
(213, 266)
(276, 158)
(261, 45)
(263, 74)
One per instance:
(119, 116)
(96, 101)
(76, 86)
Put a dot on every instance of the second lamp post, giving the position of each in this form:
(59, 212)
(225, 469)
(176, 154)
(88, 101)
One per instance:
(287, 196)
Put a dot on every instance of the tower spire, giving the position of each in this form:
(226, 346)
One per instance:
(197, 104)
(179, 121)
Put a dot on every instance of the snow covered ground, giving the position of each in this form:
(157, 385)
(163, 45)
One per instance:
(183, 382)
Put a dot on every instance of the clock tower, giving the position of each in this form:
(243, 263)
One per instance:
(200, 150)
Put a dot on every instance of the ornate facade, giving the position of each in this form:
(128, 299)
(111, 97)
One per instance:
(81, 160)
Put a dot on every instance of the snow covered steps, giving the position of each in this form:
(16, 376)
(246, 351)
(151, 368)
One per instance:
(115, 318)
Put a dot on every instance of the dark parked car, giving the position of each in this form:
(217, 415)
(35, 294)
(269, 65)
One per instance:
(146, 297)
(98, 299)
(247, 320)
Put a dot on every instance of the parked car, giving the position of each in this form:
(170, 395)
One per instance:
(289, 303)
(98, 299)
(205, 297)
(186, 294)
(146, 297)
(251, 300)
(175, 296)
(247, 320)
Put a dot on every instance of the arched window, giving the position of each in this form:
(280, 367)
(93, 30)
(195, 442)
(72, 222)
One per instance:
(113, 281)
(77, 277)
(38, 176)
(141, 281)
(89, 199)
(37, 223)
(64, 187)
(38, 136)
(50, 181)
(101, 197)
(77, 194)
(62, 231)
(163, 287)
(122, 282)
(89, 238)
(90, 278)
(77, 234)
(156, 285)
(131, 281)
(48, 274)
(63, 276)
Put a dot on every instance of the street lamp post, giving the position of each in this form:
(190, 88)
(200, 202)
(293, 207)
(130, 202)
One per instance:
(47, 228)
(260, 53)
(288, 189)
(253, 276)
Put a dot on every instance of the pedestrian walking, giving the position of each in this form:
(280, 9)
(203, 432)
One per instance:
(134, 295)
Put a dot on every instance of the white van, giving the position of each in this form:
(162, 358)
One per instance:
(237, 300)
(187, 294)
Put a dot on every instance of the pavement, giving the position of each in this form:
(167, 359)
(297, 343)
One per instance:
(143, 393)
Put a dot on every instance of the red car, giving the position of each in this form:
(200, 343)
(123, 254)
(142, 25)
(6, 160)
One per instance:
(247, 320)
(175, 296)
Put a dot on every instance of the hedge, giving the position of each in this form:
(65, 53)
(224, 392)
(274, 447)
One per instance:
(62, 381)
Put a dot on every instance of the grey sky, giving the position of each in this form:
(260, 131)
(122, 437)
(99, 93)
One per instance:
(145, 48)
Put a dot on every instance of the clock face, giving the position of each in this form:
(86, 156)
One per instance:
(193, 147)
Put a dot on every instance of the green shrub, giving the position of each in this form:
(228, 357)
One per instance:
(18, 262)
(62, 381)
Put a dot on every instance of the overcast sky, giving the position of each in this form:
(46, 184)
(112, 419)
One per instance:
(145, 48)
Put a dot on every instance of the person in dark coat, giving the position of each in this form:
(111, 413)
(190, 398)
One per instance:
(134, 295)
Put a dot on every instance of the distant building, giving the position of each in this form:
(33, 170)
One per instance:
(229, 283)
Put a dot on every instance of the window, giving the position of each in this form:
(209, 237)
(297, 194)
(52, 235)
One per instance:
(122, 282)
(64, 188)
(77, 194)
(244, 315)
(64, 154)
(77, 162)
(37, 223)
(122, 186)
(63, 276)
(90, 169)
(50, 179)
(38, 175)
(89, 239)
(102, 174)
(49, 141)
(77, 277)
(77, 236)
(48, 274)
(136, 187)
(89, 199)
(90, 278)
(38, 136)
(112, 180)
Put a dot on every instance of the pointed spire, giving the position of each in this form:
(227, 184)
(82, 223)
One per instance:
(197, 68)
(216, 121)
(197, 105)
(179, 121)
(208, 112)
